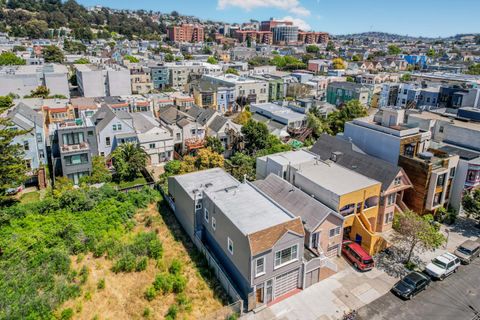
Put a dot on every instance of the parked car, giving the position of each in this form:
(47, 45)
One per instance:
(410, 285)
(443, 266)
(468, 251)
(13, 191)
(357, 255)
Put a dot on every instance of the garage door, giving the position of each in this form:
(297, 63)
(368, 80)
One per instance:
(286, 282)
(332, 251)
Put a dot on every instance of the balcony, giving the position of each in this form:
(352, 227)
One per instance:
(74, 147)
(347, 210)
(194, 143)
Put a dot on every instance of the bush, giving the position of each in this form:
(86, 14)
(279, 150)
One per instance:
(172, 312)
(101, 284)
(164, 283)
(179, 283)
(183, 302)
(141, 264)
(175, 267)
(146, 313)
(66, 314)
(150, 293)
(410, 266)
(126, 263)
(83, 275)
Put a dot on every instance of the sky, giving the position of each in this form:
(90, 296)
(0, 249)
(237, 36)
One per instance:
(430, 18)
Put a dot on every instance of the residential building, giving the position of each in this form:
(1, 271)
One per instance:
(284, 33)
(283, 115)
(218, 96)
(103, 80)
(140, 78)
(160, 76)
(269, 24)
(258, 243)
(181, 73)
(186, 33)
(311, 37)
(354, 196)
(265, 37)
(22, 80)
(339, 93)
(276, 85)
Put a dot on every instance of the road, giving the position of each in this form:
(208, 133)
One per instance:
(448, 299)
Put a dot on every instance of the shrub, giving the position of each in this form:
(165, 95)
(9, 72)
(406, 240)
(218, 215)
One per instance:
(141, 264)
(183, 302)
(179, 283)
(155, 249)
(83, 275)
(146, 313)
(175, 267)
(164, 283)
(148, 221)
(172, 312)
(101, 284)
(66, 314)
(125, 264)
(88, 296)
(410, 266)
(150, 293)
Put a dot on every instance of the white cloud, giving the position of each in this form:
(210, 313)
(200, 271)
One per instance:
(301, 24)
(292, 6)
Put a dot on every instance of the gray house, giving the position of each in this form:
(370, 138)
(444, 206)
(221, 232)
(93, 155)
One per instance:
(257, 242)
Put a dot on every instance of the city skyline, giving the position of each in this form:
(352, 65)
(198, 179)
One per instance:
(428, 19)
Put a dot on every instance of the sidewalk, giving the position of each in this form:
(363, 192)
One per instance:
(329, 299)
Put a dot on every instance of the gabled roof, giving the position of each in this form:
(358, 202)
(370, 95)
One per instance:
(217, 123)
(311, 211)
(102, 117)
(265, 239)
(369, 166)
(22, 110)
(143, 122)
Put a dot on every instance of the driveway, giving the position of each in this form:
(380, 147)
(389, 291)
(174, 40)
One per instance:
(348, 289)
(454, 298)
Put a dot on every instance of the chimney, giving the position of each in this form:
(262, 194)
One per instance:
(335, 155)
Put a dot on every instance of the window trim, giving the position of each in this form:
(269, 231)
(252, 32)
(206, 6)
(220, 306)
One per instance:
(229, 241)
(258, 274)
(214, 223)
(335, 232)
(206, 215)
(275, 267)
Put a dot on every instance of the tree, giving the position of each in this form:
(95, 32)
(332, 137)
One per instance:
(212, 60)
(471, 204)
(249, 42)
(128, 160)
(356, 57)
(82, 61)
(312, 48)
(131, 58)
(243, 117)
(19, 48)
(351, 110)
(9, 59)
(316, 123)
(6, 102)
(13, 168)
(232, 71)
(431, 53)
(100, 172)
(474, 69)
(168, 57)
(394, 50)
(40, 92)
(53, 54)
(36, 28)
(350, 79)
(215, 144)
(415, 231)
(406, 77)
(242, 165)
(207, 50)
(330, 46)
(338, 63)
(207, 159)
(255, 135)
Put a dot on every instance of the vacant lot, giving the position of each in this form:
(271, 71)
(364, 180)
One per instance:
(123, 294)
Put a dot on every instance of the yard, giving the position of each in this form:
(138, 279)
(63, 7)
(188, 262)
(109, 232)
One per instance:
(30, 197)
(123, 295)
(127, 184)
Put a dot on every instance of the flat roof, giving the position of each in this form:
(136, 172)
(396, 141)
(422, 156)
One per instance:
(425, 115)
(293, 158)
(248, 209)
(334, 177)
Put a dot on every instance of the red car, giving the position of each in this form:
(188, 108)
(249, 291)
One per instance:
(357, 255)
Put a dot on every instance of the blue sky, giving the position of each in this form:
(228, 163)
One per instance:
(413, 17)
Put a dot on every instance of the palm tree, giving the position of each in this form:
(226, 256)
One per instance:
(129, 159)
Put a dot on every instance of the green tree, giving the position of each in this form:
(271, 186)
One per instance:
(471, 204)
(36, 28)
(53, 54)
(212, 60)
(215, 144)
(474, 69)
(207, 50)
(394, 50)
(312, 48)
(431, 53)
(6, 102)
(351, 110)
(249, 42)
(100, 172)
(330, 46)
(207, 158)
(243, 117)
(356, 57)
(131, 58)
(13, 168)
(414, 231)
(18, 48)
(40, 92)
(82, 61)
(128, 160)
(232, 71)
(316, 123)
(9, 58)
(255, 135)
(406, 77)
(168, 57)
(241, 165)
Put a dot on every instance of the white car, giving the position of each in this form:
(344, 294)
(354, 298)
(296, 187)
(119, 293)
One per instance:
(443, 266)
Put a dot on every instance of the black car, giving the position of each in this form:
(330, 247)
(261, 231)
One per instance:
(411, 284)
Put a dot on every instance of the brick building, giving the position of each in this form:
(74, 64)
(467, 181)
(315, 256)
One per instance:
(186, 33)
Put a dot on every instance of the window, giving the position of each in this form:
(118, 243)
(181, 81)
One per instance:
(230, 245)
(285, 256)
(198, 205)
(90, 133)
(389, 217)
(114, 127)
(206, 215)
(193, 131)
(397, 181)
(152, 146)
(214, 224)
(39, 137)
(452, 172)
(177, 136)
(260, 266)
(437, 198)
(41, 154)
(391, 199)
(26, 146)
(440, 129)
(107, 141)
(334, 232)
(441, 180)
(119, 126)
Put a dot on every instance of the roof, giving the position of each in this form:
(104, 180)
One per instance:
(369, 166)
(217, 123)
(102, 117)
(20, 111)
(242, 204)
(143, 122)
(263, 240)
(311, 211)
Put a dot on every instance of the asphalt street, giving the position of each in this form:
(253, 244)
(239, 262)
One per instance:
(452, 298)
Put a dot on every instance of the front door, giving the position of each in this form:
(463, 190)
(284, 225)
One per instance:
(269, 290)
(358, 239)
(315, 238)
(259, 294)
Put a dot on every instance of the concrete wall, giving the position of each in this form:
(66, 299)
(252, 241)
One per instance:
(184, 206)
(57, 83)
(91, 83)
(119, 83)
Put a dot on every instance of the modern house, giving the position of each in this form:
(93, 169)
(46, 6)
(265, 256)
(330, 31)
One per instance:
(339, 93)
(290, 119)
(354, 196)
(95, 80)
(258, 243)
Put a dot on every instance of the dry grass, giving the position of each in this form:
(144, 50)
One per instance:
(123, 296)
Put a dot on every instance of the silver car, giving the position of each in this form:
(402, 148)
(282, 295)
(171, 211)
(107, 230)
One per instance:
(468, 251)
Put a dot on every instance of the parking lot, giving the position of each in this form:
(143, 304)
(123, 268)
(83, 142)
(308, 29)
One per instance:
(454, 298)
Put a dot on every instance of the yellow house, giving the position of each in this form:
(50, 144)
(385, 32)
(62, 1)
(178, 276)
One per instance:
(205, 96)
(354, 196)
